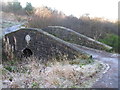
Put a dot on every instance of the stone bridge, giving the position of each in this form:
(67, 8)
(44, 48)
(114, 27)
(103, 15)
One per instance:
(31, 41)
(53, 42)
(71, 36)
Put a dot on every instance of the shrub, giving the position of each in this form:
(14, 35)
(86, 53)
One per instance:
(113, 41)
(55, 75)
(29, 8)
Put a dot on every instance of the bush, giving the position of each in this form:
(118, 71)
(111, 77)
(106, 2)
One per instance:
(29, 8)
(113, 41)
(13, 7)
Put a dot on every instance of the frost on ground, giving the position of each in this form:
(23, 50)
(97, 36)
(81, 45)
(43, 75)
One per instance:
(62, 74)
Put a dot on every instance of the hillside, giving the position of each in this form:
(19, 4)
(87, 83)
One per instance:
(77, 70)
(58, 51)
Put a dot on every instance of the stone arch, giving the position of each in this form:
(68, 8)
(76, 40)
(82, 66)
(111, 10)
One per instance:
(27, 52)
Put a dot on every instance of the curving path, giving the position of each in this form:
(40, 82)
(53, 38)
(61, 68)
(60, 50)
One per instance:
(110, 78)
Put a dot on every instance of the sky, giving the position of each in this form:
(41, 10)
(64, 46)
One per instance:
(107, 9)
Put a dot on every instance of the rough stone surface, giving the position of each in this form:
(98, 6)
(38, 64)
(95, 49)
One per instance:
(40, 44)
(76, 38)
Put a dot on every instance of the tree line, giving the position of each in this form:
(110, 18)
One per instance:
(96, 28)
(16, 7)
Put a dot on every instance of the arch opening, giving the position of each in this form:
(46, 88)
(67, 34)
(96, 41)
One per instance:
(27, 52)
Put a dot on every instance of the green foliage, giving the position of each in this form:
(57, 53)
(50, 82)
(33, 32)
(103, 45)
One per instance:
(113, 41)
(29, 8)
(81, 62)
(35, 85)
(12, 62)
(11, 68)
(15, 6)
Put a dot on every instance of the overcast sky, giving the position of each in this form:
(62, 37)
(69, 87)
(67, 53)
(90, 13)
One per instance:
(96, 8)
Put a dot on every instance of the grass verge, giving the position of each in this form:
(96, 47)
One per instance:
(62, 74)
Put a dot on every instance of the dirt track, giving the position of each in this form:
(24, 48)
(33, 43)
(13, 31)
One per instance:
(110, 78)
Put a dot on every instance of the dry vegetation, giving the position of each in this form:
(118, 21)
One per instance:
(32, 74)
(92, 27)
(96, 28)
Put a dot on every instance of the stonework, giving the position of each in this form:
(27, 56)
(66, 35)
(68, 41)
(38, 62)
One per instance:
(76, 38)
(27, 42)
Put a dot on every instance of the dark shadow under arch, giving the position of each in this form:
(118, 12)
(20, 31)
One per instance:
(27, 52)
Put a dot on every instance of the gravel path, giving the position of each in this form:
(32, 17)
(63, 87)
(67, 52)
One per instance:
(110, 78)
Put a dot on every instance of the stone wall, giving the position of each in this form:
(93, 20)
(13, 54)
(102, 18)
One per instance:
(76, 38)
(27, 42)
